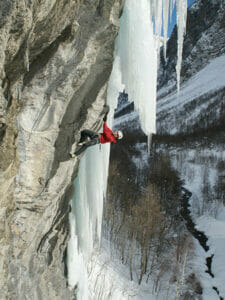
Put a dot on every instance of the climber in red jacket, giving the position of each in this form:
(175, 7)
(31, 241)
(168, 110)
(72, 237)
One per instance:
(90, 138)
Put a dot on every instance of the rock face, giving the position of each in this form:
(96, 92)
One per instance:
(55, 60)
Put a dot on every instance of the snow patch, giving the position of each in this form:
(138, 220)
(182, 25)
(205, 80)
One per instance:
(215, 230)
(209, 78)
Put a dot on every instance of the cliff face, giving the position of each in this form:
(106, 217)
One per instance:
(56, 58)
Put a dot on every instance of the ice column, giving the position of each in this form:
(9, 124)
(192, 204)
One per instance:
(181, 28)
(86, 216)
(137, 55)
(165, 24)
(137, 50)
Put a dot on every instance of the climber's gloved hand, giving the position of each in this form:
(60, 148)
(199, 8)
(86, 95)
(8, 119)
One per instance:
(105, 117)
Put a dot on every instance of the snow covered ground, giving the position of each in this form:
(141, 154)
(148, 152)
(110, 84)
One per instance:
(214, 228)
(170, 107)
(109, 278)
(141, 159)
(199, 169)
(209, 78)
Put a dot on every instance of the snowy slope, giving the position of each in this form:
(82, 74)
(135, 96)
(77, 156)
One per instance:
(215, 230)
(176, 113)
(109, 278)
(209, 78)
(204, 41)
(187, 107)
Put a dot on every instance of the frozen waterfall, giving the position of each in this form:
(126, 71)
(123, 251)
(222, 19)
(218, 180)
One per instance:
(86, 216)
(135, 70)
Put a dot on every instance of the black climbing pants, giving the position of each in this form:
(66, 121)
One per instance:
(84, 135)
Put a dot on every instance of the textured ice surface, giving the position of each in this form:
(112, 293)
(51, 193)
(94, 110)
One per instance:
(210, 78)
(86, 217)
(136, 53)
(181, 28)
(137, 50)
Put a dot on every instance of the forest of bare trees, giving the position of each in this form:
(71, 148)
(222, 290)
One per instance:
(142, 220)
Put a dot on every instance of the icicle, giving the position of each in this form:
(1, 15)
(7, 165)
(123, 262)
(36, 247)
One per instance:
(152, 8)
(86, 217)
(76, 264)
(181, 29)
(157, 16)
(158, 25)
(171, 11)
(165, 24)
(136, 52)
(136, 48)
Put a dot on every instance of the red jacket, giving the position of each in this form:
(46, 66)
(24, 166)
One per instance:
(107, 135)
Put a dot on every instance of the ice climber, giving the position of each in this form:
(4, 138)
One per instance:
(90, 138)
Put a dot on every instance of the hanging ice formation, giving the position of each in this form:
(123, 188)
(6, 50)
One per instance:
(135, 70)
(181, 21)
(137, 52)
(86, 216)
